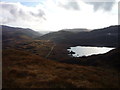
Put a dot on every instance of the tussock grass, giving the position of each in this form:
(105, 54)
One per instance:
(22, 69)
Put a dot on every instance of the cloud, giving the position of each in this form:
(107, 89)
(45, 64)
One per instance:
(106, 6)
(59, 14)
(15, 12)
(70, 5)
(40, 14)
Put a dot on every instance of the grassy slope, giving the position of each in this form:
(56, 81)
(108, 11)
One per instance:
(38, 47)
(24, 66)
(26, 70)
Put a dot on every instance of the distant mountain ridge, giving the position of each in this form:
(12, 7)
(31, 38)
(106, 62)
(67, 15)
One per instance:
(99, 37)
(18, 33)
(108, 36)
(76, 30)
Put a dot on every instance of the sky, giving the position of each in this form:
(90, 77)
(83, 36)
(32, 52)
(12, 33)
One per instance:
(54, 15)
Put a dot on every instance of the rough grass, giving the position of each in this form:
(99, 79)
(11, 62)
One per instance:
(22, 69)
(38, 47)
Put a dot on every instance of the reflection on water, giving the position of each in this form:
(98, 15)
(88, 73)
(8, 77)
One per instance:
(87, 51)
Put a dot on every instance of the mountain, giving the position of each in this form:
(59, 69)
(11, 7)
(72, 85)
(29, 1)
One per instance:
(28, 62)
(76, 30)
(99, 37)
(18, 33)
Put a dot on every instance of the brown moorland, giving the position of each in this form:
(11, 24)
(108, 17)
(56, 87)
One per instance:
(22, 69)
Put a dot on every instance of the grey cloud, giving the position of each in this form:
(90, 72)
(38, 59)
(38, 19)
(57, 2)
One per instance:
(6, 5)
(17, 13)
(10, 8)
(70, 5)
(106, 6)
(40, 13)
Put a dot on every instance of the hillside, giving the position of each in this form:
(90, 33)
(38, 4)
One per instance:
(33, 63)
(18, 33)
(99, 37)
(25, 70)
(107, 60)
(13, 35)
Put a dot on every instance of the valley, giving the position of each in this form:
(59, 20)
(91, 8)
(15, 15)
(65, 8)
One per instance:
(42, 61)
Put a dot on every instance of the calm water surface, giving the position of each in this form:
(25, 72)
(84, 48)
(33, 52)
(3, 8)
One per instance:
(87, 51)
